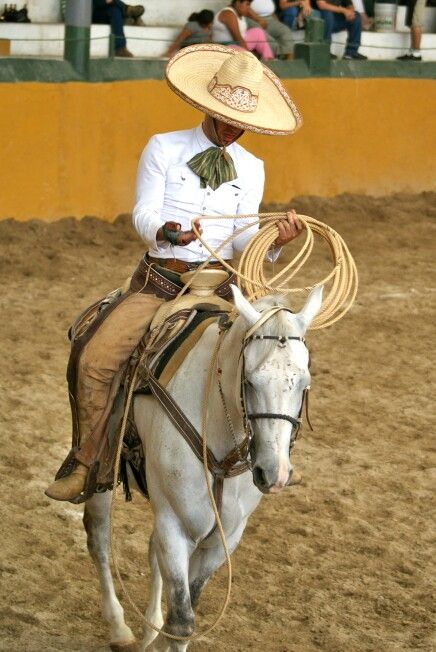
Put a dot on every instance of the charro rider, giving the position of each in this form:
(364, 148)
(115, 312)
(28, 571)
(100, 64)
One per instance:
(182, 175)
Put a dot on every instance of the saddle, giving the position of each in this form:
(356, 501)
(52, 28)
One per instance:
(176, 337)
(175, 330)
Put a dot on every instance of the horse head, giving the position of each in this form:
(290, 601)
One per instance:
(274, 379)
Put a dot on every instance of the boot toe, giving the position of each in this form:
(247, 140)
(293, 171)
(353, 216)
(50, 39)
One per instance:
(66, 488)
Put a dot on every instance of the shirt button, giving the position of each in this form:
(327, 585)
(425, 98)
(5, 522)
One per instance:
(208, 193)
(204, 208)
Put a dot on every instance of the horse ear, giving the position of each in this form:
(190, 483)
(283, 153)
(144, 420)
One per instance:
(244, 307)
(312, 307)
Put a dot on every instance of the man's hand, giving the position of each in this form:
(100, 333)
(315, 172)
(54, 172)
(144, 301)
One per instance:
(186, 237)
(183, 238)
(305, 7)
(289, 229)
(349, 13)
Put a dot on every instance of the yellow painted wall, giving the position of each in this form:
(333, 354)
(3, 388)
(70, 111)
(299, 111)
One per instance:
(72, 149)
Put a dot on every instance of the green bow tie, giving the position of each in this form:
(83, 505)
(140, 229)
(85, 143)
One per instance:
(214, 166)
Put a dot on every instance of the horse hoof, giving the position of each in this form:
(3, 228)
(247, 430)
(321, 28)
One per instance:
(125, 647)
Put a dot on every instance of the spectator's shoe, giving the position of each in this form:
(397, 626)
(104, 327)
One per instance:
(135, 11)
(409, 57)
(356, 56)
(123, 52)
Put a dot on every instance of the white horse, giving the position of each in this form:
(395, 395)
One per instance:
(182, 556)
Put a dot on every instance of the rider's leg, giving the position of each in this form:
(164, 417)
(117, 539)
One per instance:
(98, 369)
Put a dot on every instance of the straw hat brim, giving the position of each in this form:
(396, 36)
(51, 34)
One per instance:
(189, 72)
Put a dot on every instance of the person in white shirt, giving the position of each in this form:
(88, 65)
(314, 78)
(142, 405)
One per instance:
(263, 13)
(230, 27)
(182, 175)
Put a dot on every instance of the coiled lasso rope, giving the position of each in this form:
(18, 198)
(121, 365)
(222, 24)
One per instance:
(252, 280)
(251, 270)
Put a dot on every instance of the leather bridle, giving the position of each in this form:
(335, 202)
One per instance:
(249, 417)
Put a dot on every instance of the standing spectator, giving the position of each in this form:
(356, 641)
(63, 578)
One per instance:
(414, 20)
(230, 28)
(263, 13)
(337, 19)
(113, 13)
(293, 12)
(198, 29)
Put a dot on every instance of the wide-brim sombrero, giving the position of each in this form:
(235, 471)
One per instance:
(233, 86)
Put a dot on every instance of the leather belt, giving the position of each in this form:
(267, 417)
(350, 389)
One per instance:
(182, 266)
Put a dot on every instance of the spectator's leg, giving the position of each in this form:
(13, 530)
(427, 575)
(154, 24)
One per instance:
(256, 42)
(282, 35)
(274, 45)
(354, 29)
(117, 25)
(329, 24)
(289, 16)
(121, 6)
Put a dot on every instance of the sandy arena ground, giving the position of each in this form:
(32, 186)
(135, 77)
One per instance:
(342, 563)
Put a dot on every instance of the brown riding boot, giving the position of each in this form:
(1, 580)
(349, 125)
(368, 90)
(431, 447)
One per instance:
(70, 486)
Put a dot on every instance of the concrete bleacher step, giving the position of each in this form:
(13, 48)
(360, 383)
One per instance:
(44, 35)
(47, 40)
(157, 13)
(31, 39)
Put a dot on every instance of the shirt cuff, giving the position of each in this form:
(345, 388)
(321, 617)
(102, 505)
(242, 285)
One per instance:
(147, 227)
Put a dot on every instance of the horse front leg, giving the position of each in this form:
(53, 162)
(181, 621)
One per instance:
(173, 550)
(96, 519)
(207, 560)
(153, 613)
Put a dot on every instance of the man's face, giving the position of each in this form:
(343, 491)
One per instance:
(226, 133)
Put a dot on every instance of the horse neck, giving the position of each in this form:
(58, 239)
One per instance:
(227, 363)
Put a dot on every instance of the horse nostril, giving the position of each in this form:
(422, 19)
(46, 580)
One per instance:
(259, 477)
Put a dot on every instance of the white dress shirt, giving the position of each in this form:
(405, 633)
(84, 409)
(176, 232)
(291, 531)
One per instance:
(168, 190)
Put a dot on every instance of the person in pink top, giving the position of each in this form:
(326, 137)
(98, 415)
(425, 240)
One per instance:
(230, 28)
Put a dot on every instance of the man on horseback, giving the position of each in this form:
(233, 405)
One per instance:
(182, 176)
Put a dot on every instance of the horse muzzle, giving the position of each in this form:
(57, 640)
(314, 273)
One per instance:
(271, 480)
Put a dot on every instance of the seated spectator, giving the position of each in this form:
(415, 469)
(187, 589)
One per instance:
(367, 22)
(263, 13)
(294, 12)
(414, 20)
(198, 29)
(113, 13)
(230, 28)
(338, 18)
